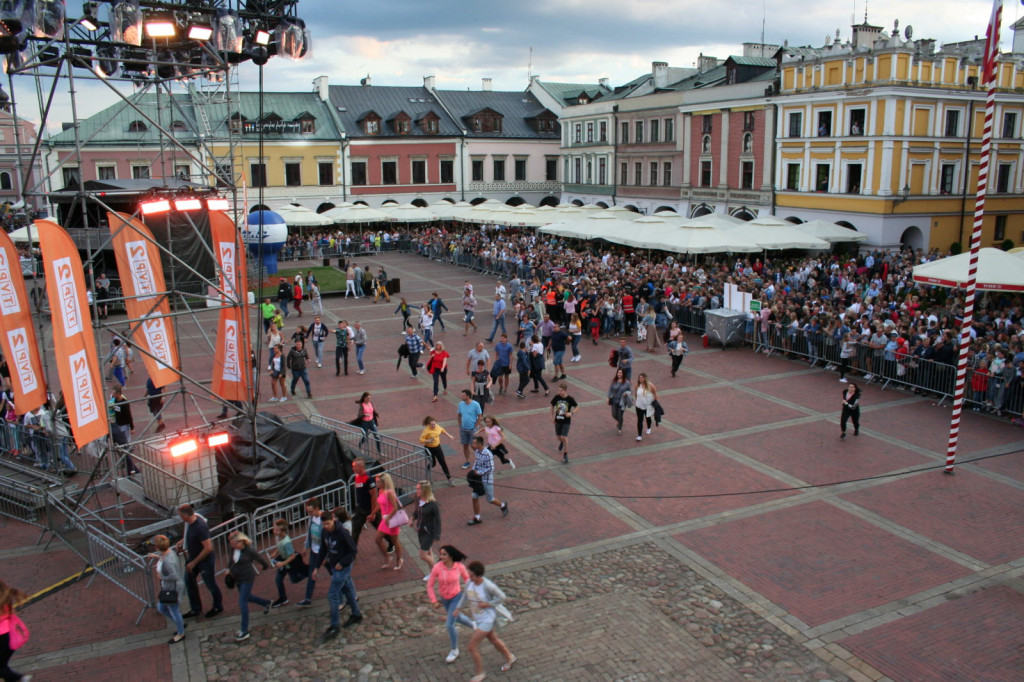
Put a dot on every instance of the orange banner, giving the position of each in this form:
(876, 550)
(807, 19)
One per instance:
(17, 336)
(73, 340)
(142, 282)
(232, 372)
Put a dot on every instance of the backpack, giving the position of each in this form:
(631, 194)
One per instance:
(18, 631)
(613, 358)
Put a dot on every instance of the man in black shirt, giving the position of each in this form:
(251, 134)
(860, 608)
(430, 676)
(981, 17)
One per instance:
(337, 552)
(563, 406)
(285, 294)
(297, 359)
(199, 553)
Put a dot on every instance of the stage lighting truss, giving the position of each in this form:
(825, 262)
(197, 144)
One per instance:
(183, 446)
(162, 201)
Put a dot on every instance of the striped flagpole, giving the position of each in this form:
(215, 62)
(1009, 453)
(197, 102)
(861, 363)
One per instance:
(989, 76)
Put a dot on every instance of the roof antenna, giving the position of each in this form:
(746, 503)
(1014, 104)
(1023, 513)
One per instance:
(764, 12)
(529, 66)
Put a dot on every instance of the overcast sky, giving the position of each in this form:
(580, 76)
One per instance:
(397, 42)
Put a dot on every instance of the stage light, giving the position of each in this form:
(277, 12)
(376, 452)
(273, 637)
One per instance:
(45, 18)
(106, 63)
(183, 447)
(192, 204)
(126, 22)
(155, 206)
(161, 28)
(217, 204)
(259, 54)
(227, 37)
(262, 38)
(201, 33)
(88, 20)
(218, 439)
(88, 24)
(292, 39)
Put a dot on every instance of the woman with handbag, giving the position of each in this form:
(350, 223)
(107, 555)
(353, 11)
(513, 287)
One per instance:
(646, 395)
(243, 574)
(393, 517)
(484, 600)
(427, 519)
(168, 571)
(13, 633)
(617, 392)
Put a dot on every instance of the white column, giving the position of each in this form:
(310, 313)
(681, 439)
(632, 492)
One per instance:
(723, 151)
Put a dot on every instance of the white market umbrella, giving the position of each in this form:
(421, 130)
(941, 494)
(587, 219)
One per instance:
(718, 221)
(770, 221)
(409, 213)
(830, 232)
(300, 216)
(20, 235)
(357, 213)
(774, 237)
(447, 211)
(594, 226)
(997, 271)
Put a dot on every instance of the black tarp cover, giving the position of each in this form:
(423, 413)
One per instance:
(314, 456)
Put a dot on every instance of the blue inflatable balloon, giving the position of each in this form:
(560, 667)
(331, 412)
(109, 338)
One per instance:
(275, 234)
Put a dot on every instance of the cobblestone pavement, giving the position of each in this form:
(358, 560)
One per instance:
(740, 539)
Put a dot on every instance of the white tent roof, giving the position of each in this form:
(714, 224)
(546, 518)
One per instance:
(445, 211)
(715, 220)
(707, 240)
(997, 270)
(21, 235)
(300, 216)
(409, 213)
(830, 232)
(784, 236)
(357, 213)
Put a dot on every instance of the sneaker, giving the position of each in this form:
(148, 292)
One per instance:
(273, 400)
(648, 432)
(304, 603)
(279, 602)
(319, 365)
(174, 640)
(284, 399)
(241, 636)
(190, 614)
(332, 631)
(639, 437)
(452, 655)
(362, 371)
(842, 436)
(565, 458)
(511, 464)
(266, 609)
(352, 620)
(843, 381)
(473, 521)
(426, 577)
(212, 612)
(504, 509)
(519, 394)
(466, 465)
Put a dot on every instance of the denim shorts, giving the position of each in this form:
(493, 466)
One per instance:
(488, 492)
(557, 356)
(465, 436)
(469, 315)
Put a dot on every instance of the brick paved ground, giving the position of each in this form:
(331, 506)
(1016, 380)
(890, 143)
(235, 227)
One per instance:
(659, 559)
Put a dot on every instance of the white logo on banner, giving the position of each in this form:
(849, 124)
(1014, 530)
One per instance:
(141, 272)
(232, 360)
(226, 250)
(67, 296)
(154, 329)
(21, 363)
(82, 389)
(9, 303)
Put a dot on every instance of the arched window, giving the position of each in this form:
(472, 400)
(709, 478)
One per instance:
(705, 147)
(178, 127)
(748, 143)
(137, 127)
(5, 180)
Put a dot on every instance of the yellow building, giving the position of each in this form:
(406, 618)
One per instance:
(882, 133)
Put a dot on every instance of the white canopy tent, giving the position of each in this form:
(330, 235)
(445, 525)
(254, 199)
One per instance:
(830, 232)
(300, 216)
(998, 270)
(20, 236)
(409, 213)
(775, 237)
(358, 213)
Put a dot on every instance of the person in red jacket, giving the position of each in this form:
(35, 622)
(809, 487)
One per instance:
(628, 312)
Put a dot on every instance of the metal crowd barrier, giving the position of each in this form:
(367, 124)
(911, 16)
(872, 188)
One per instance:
(69, 527)
(124, 568)
(293, 510)
(23, 502)
(220, 538)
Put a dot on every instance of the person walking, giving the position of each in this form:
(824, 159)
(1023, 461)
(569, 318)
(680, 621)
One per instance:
(315, 299)
(415, 345)
(437, 306)
(337, 553)
(430, 438)
(468, 413)
(285, 294)
(286, 561)
(482, 383)
(484, 600)
(200, 562)
(389, 505)
(677, 350)
(501, 370)
(483, 472)
(240, 567)
(449, 575)
(359, 341)
(559, 338)
(10, 599)
(342, 340)
(297, 295)
(426, 519)
(168, 572)
(314, 539)
(847, 350)
(381, 290)
(617, 398)
(537, 367)
(523, 367)
(576, 334)
(492, 432)
(625, 359)
(350, 281)
(297, 360)
(318, 332)
(851, 409)
(406, 310)
(468, 310)
(473, 357)
(276, 367)
(437, 365)
(367, 420)
(498, 314)
(426, 323)
(364, 493)
(155, 402)
(563, 406)
(643, 400)
(267, 311)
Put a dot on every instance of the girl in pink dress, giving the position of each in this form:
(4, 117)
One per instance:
(387, 502)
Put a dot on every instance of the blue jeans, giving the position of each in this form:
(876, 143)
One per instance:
(314, 563)
(498, 322)
(342, 585)
(206, 569)
(367, 427)
(173, 614)
(449, 606)
(119, 374)
(283, 305)
(428, 336)
(359, 356)
(576, 344)
(245, 596)
(301, 374)
(318, 350)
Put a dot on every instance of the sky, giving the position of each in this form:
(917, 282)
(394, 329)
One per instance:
(398, 42)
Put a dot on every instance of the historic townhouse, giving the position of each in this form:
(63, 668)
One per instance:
(17, 175)
(882, 133)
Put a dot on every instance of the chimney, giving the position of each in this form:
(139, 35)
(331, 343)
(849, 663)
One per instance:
(660, 72)
(428, 83)
(534, 79)
(706, 63)
(486, 84)
(603, 82)
(320, 87)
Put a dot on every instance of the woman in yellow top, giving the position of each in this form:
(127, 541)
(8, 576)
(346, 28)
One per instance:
(431, 439)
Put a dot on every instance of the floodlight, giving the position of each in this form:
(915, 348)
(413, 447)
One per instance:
(106, 63)
(191, 204)
(217, 204)
(155, 206)
(89, 21)
(218, 439)
(160, 28)
(201, 33)
(183, 447)
(292, 38)
(262, 38)
(126, 22)
(228, 34)
(45, 18)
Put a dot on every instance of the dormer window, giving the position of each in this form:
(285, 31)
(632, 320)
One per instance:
(429, 123)
(307, 123)
(486, 121)
(401, 123)
(431, 126)
(583, 99)
(137, 127)
(178, 127)
(402, 127)
(371, 123)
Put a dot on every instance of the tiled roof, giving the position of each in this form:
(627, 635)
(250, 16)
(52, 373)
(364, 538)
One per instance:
(111, 126)
(352, 102)
(752, 61)
(568, 93)
(515, 108)
(288, 106)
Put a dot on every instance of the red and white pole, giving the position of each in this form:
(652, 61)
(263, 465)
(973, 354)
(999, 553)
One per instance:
(989, 74)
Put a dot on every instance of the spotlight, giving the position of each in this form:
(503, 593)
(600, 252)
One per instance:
(191, 204)
(259, 55)
(184, 447)
(292, 38)
(165, 66)
(217, 204)
(106, 64)
(155, 206)
(228, 34)
(262, 38)
(126, 22)
(160, 27)
(200, 33)
(46, 18)
(218, 439)
(89, 21)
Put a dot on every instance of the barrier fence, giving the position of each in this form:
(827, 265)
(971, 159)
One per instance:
(123, 567)
(293, 510)
(23, 502)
